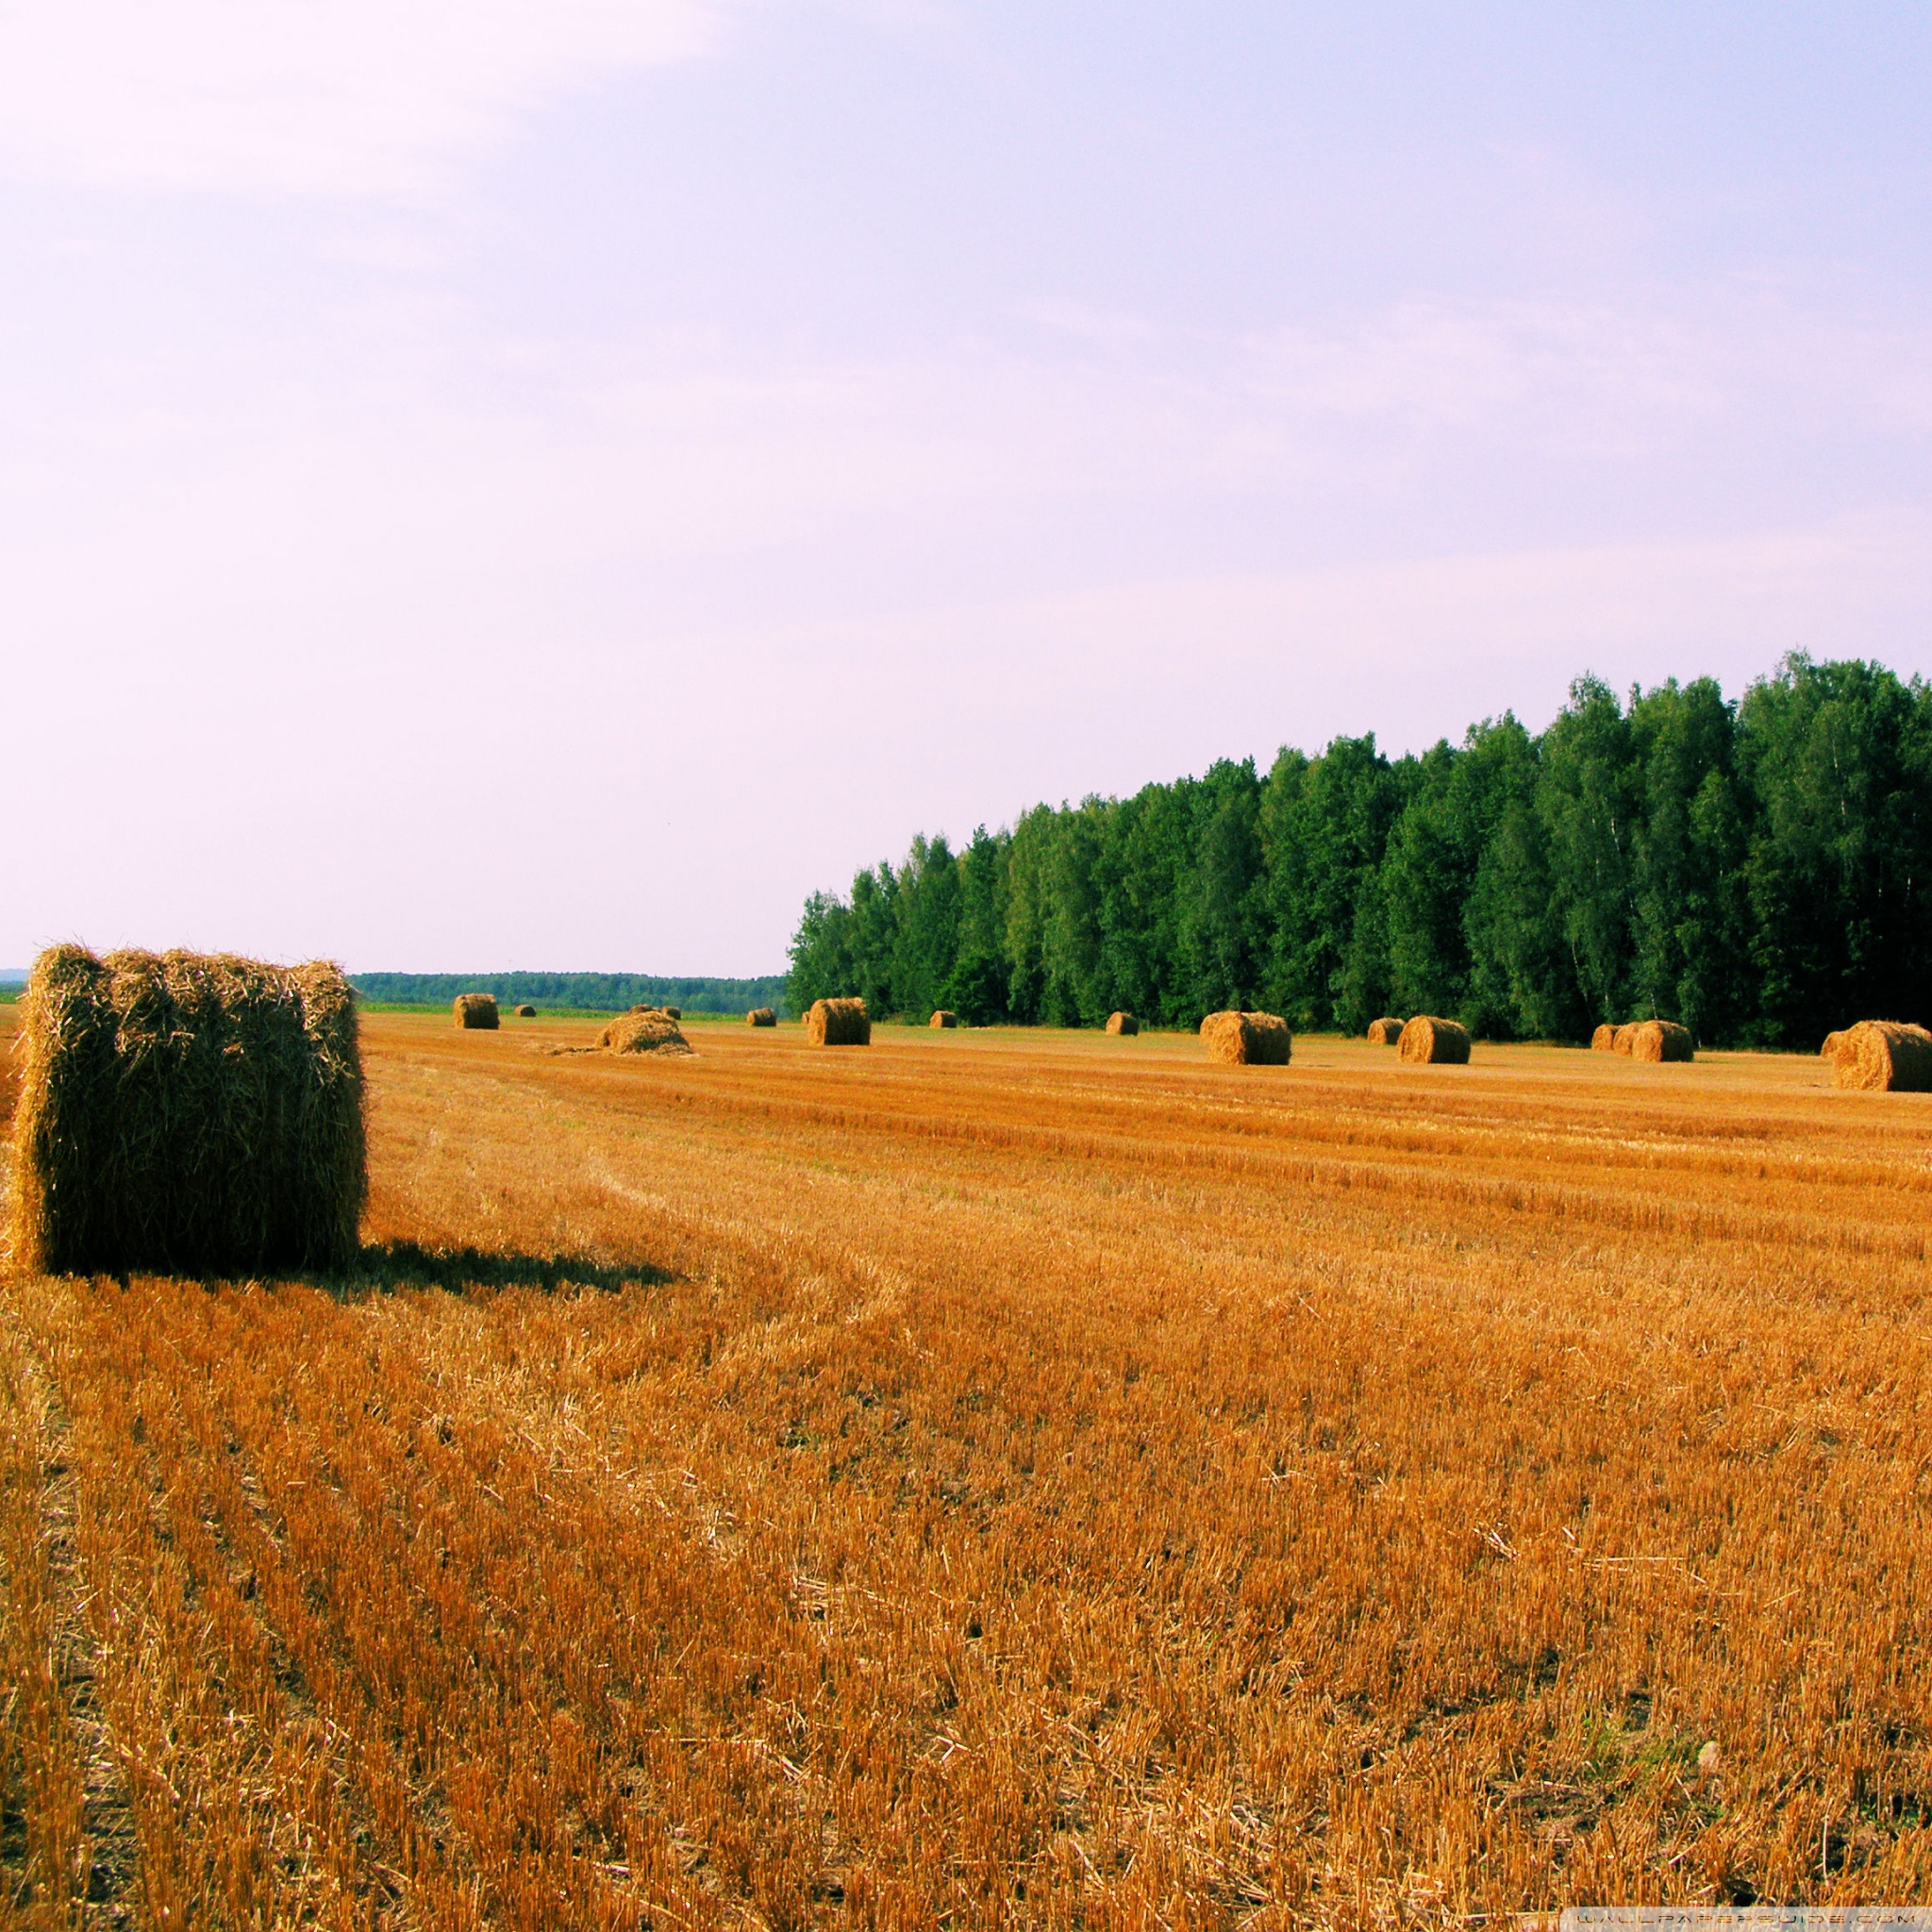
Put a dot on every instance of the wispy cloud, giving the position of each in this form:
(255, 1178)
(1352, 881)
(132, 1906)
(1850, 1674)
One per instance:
(298, 97)
(1596, 377)
(1448, 364)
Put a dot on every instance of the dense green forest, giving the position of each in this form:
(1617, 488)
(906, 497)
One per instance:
(1759, 869)
(595, 993)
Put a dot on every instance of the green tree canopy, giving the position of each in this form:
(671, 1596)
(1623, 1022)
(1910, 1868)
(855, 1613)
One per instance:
(1756, 870)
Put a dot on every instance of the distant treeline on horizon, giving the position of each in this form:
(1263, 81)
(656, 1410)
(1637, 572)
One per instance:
(595, 993)
(1758, 869)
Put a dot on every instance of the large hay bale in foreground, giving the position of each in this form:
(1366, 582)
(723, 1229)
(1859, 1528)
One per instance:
(761, 1016)
(941, 1017)
(1122, 1023)
(526, 1013)
(644, 1029)
(476, 1011)
(1604, 1040)
(838, 1023)
(1658, 1039)
(187, 1113)
(1885, 1056)
(1247, 1040)
(1385, 1032)
(1440, 1042)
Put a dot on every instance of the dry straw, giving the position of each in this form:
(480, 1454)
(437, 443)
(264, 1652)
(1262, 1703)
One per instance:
(761, 1016)
(673, 1012)
(1651, 1039)
(1604, 1040)
(1247, 1040)
(838, 1023)
(1122, 1023)
(526, 1013)
(644, 1029)
(187, 1113)
(942, 1018)
(1885, 1056)
(1384, 1032)
(1441, 1042)
(476, 1011)
(1656, 1039)
(1832, 1042)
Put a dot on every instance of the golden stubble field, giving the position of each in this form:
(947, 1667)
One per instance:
(997, 1479)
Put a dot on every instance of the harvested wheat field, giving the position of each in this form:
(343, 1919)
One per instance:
(992, 1481)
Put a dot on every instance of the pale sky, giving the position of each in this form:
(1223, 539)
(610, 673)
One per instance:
(548, 485)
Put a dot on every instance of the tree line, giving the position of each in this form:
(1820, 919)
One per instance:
(594, 993)
(1759, 869)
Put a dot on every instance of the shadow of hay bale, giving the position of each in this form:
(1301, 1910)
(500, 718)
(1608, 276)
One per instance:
(383, 1267)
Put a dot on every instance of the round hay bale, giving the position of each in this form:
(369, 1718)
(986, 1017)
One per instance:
(1621, 1040)
(838, 1023)
(526, 1013)
(1122, 1023)
(1659, 1040)
(942, 1018)
(672, 1013)
(1832, 1042)
(761, 1016)
(1604, 1040)
(187, 1113)
(1440, 1042)
(649, 1029)
(1385, 1032)
(1247, 1040)
(1885, 1056)
(476, 1012)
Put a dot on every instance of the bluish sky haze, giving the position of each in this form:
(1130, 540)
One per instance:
(500, 485)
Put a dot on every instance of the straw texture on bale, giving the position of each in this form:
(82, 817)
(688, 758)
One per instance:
(1384, 1032)
(942, 1018)
(673, 1013)
(838, 1023)
(1122, 1023)
(1247, 1040)
(1832, 1042)
(526, 1013)
(1441, 1042)
(184, 1114)
(1604, 1040)
(761, 1016)
(644, 1029)
(1656, 1039)
(1885, 1056)
(476, 1011)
